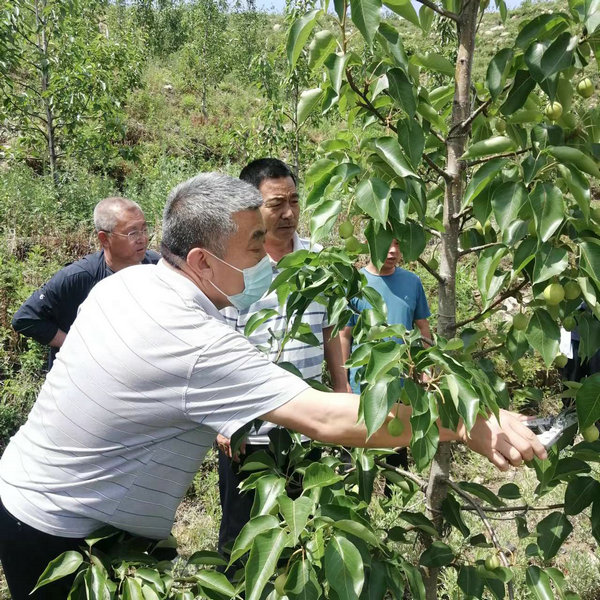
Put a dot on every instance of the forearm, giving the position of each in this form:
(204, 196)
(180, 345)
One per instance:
(335, 359)
(336, 421)
(58, 340)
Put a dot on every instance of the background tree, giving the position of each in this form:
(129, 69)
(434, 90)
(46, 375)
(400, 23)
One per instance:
(64, 75)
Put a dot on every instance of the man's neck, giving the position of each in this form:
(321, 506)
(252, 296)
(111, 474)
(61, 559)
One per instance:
(113, 265)
(385, 271)
(277, 249)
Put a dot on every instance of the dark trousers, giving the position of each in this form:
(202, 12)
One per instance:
(25, 553)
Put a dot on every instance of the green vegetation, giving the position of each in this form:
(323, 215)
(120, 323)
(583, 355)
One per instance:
(99, 98)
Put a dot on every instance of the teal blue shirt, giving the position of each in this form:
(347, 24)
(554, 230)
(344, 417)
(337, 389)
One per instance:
(404, 296)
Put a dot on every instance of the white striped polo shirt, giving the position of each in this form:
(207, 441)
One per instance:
(147, 377)
(306, 358)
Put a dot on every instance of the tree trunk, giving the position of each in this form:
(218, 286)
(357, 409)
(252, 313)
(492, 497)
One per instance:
(45, 81)
(455, 147)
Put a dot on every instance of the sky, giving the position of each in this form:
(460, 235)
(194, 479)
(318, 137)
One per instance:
(278, 5)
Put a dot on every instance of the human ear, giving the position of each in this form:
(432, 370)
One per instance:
(103, 238)
(196, 259)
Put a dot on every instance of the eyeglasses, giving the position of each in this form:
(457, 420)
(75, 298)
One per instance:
(135, 236)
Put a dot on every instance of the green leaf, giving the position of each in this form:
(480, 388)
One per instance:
(63, 565)
(402, 90)
(389, 150)
(576, 157)
(324, 217)
(493, 145)
(451, 512)
(424, 442)
(539, 583)
(377, 400)
(379, 240)
(590, 252)
(544, 335)
(215, 581)
(587, 401)
(206, 557)
(96, 582)
(559, 55)
(405, 9)
(411, 239)
(262, 561)
(426, 16)
(549, 261)
(344, 568)
(580, 493)
(465, 398)
(510, 491)
(302, 582)
(507, 200)
(415, 580)
(132, 590)
(308, 100)
(257, 319)
(595, 520)
(251, 529)
(318, 475)
(437, 555)
(552, 531)
(470, 582)
(373, 197)
(412, 140)
(548, 209)
(434, 62)
(538, 28)
(366, 15)
(420, 521)
(522, 86)
(358, 530)
(299, 33)
(578, 186)
(476, 489)
(392, 41)
(296, 514)
(268, 489)
(482, 177)
(497, 71)
(322, 45)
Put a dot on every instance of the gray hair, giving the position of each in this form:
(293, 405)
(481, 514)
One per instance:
(198, 214)
(107, 212)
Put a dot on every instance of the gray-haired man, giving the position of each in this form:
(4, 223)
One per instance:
(150, 374)
(47, 315)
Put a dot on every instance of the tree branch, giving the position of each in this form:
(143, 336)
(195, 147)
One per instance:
(488, 526)
(447, 177)
(525, 508)
(440, 11)
(472, 163)
(367, 103)
(501, 299)
(432, 271)
(478, 248)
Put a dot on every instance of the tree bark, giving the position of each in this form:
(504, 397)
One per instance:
(44, 84)
(455, 147)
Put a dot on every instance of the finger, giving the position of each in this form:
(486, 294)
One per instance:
(527, 442)
(498, 460)
(509, 448)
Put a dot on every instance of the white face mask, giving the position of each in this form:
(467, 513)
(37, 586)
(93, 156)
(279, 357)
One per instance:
(257, 280)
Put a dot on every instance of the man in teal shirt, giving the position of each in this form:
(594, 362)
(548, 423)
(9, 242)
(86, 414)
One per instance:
(404, 296)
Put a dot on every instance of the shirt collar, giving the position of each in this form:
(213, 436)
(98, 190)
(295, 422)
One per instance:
(188, 290)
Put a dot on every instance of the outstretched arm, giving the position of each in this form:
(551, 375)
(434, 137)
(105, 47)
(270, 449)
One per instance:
(332, 418)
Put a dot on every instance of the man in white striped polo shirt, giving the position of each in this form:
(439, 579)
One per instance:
(280, 211)
(150, 374)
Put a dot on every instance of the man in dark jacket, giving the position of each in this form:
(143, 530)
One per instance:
(47, 315)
